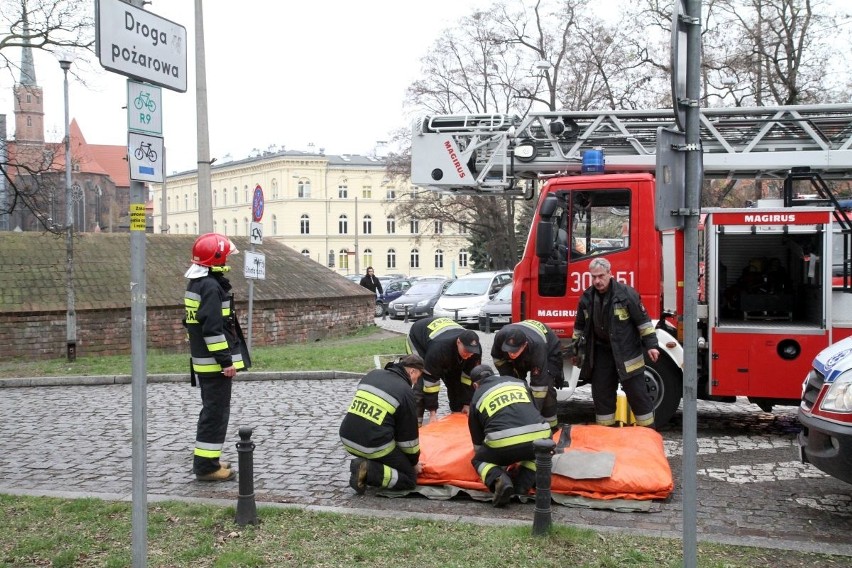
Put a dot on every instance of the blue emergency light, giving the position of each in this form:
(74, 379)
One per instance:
(593, 161)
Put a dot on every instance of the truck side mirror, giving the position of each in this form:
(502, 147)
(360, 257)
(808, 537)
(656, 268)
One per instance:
(544, 239)
(548, 206)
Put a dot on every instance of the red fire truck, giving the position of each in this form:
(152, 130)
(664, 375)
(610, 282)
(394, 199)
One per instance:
(775, 278)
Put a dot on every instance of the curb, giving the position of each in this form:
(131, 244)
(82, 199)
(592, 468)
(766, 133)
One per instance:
(101, 380)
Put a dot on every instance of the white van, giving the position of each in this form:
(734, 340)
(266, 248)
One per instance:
(467, 294)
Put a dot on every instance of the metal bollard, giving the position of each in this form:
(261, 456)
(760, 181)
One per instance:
(487, 324)
(384, 313)
(543, 466)
(406, 315)
(246, 508)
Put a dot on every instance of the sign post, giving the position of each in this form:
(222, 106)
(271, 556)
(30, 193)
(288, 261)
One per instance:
(255, 264)
(143, 46)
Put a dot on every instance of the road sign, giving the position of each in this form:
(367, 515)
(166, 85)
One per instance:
(138, 44)
(255, 266)
(256, 236)
(257, 204)
(144, 108)
(145, 155)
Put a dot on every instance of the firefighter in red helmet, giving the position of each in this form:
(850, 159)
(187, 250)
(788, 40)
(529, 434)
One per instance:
(217, 350)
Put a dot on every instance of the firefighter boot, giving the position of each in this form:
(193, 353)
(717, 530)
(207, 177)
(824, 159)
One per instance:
(221, 474)
(358, 478)
(503, 490)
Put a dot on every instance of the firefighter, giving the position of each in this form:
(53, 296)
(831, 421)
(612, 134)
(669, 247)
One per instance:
(614, 328)
(217, 350)
(449, 352)
(380, 428)
(532, 347)
(503, 424)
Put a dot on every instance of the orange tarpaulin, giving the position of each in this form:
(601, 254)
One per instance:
(641, 469)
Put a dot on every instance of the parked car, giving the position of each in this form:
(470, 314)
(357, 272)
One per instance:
(356, 278)
(497, 312)
(419, 300)
(464, 299)
(392, 290)
(825, 412)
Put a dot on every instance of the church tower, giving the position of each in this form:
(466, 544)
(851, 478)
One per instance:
(29, 102)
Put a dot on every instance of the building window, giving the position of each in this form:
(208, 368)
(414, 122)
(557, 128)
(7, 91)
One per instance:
(236, 196)
(414, 226)
(194, 227)
(462, 228)
(186, 202)
(462, 258)
(195, 200)
(236, 227)
(367, 192)
(391, 225)
(439, 258)
(224, 226)
(342, 225)
(439, 227)
(29, 118)
(331, 259)
(342, 191)
(275, 224)
(415, 258)
(215, 226)
(246, 225)
(413, 195)
(368, 225)
(343, 258)
(306, 253)
(274, 189)
(224, 197)
(368, 257)
(185, 229)
(390, 194)
(304, 190)
(305, 225)
(169, 204)
(215, 198)
(391, 258)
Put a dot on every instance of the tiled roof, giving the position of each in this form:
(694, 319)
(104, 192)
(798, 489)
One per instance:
(33, 275)
(114, 161)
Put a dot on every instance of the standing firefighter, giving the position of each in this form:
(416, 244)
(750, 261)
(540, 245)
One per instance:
(503, 424)
(217, 348)
(532, 347)
(449, 352)
(615, 328)
(380, 428)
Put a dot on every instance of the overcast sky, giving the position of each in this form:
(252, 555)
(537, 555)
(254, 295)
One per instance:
(328, 72)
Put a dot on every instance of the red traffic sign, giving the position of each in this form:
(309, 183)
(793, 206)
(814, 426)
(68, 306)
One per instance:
(257, 205)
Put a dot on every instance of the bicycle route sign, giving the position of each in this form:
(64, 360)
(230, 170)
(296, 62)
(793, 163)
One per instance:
(145, 154)
(144, 108)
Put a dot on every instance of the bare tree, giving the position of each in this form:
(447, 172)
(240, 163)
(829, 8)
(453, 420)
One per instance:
(30, 173)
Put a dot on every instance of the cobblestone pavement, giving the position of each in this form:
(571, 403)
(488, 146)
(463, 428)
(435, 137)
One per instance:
(752, 489)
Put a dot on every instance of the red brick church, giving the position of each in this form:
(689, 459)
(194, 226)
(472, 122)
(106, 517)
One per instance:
(35, 186)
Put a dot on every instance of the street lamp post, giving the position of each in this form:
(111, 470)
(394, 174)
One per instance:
(71, 313)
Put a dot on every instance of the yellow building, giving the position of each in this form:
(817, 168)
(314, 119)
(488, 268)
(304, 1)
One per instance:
(334, 209)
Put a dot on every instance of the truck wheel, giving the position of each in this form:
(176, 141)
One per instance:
(663, 380)
(380, 309)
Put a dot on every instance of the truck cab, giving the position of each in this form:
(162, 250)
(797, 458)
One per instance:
(825, 412)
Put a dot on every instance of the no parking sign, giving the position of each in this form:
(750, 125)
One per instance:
(257, 204)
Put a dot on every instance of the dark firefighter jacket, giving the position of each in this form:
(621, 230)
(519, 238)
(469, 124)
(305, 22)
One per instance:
(630, 330)
(215, 339)
(502, 414)
(382, 416)
(543, 350)
(435, 341)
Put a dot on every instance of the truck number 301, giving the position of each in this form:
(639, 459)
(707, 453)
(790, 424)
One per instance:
(582, 280)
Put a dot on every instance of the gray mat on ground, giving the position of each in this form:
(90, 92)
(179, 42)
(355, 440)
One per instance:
(583, 464)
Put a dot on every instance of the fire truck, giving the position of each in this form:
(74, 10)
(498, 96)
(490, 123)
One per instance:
(774, 286)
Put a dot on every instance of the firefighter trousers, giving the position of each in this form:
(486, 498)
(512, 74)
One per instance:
(393, 471)
(212, 422)
(605, 390)
(490, 463)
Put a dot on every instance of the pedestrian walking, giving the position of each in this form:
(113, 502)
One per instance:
(449, 352)
(531, 347)
(380, 428)
(612, 333)
(503, 423)
(370, 282)
(217, 349)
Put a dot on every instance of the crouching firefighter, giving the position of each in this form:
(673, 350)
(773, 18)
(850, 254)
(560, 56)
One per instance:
(503, 423)
(217, 350)
(380, 428)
